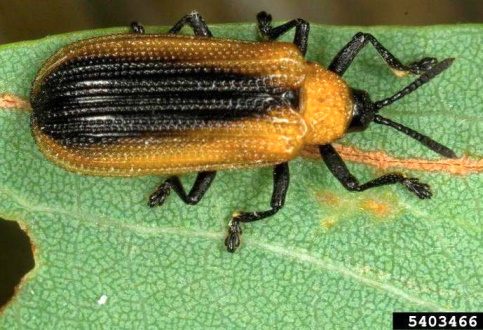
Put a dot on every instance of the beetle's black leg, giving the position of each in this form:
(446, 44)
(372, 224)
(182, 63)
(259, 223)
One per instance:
(281, 180)
(195, 21)
(346, 55)
(338, 168)
(201, 185)
(302, 29)
(137, 28)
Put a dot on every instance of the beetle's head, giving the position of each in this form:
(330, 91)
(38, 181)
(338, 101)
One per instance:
(364, 111)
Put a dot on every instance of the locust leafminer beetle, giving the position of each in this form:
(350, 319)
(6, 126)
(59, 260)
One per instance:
(137, 104)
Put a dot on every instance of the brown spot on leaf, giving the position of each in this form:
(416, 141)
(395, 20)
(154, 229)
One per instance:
(11, 101)
(378, 208)
(383, 161)
(328, 223)
(328, 198)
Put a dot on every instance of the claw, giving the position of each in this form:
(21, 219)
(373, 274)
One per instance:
(158, 197)
(265, 17)
(137, 28)
(264, 23)
(422, 190)
(232, 241)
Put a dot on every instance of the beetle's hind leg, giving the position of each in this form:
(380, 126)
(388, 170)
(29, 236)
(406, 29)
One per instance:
(201, 185)
(137, 28)
(195, 21)
(281, 179)
(338, 168)
(346, 55)
(301, 26)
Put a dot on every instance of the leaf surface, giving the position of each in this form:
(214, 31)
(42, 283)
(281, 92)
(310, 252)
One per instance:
(329, 259)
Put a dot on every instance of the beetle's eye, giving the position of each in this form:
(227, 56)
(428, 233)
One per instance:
(362, 111)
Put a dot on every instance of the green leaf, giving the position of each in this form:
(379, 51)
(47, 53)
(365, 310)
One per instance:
(329, 259)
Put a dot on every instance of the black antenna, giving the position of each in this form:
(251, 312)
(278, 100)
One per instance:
(423, 139)
(424, 78)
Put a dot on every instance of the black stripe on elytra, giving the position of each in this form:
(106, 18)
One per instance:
(89, 101)
(99, 68)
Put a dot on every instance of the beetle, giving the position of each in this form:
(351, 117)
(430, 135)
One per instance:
(150, 104)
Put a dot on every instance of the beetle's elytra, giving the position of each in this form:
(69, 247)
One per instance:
(137, 104)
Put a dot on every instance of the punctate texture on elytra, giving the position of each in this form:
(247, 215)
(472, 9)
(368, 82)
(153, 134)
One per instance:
(130, 105)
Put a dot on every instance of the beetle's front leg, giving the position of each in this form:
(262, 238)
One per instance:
(201, 185)
(338, 168)
(301, 26)
(195, 21)
(346, 55)
(281, 178)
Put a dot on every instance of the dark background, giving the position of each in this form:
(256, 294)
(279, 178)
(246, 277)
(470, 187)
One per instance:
(30, 19)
